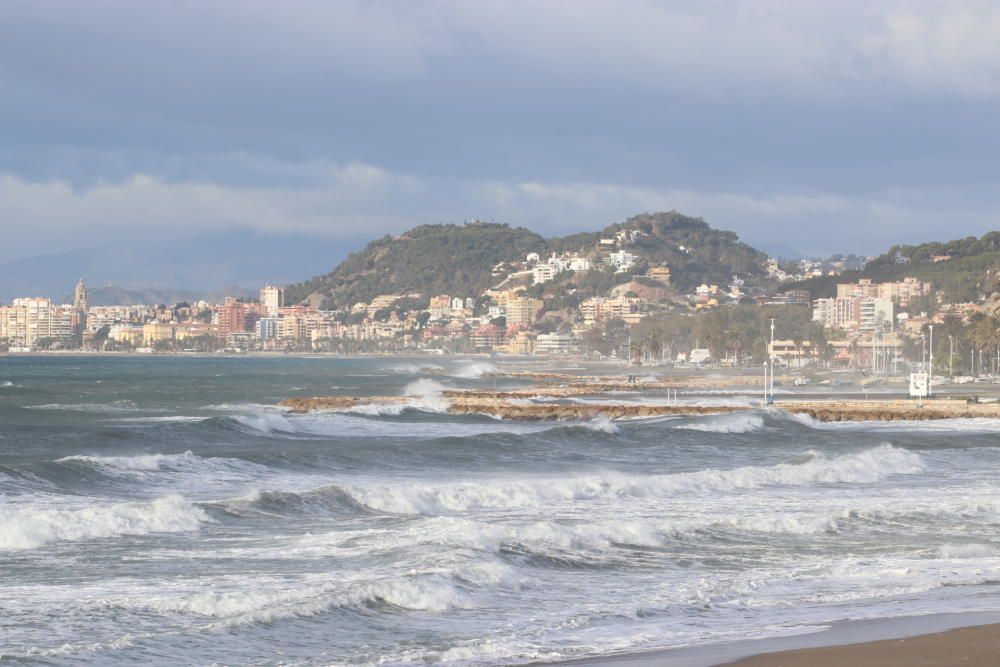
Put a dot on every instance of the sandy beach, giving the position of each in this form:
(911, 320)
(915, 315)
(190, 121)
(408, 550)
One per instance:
(977, 646)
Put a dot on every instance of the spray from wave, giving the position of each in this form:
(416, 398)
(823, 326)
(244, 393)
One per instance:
(475, 370)
(427, 395)
(740, 422)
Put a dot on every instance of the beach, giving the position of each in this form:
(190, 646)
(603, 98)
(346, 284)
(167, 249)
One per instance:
(977, 646)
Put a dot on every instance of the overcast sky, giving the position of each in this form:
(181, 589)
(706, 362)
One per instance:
(832, 126)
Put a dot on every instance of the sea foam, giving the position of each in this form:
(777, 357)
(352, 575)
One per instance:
(863, 467)
(31, 528)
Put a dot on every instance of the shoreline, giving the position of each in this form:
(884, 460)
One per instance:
(961, 636)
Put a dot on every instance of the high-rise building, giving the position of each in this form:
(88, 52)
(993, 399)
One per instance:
(30, 320)
(272, 299)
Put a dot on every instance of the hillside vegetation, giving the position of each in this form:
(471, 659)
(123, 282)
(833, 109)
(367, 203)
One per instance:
(459, 259)
(972, 271)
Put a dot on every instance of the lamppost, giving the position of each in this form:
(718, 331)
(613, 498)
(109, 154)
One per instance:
(770, 357)
(930, 374)
(765, 383)
(951, 356)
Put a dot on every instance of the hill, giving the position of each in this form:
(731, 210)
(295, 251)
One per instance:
(463, 259)
(963, 269)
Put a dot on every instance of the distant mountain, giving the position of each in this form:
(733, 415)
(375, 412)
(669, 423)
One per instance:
(113, 295)
(205, 264)
(964, 269)
(460, 259)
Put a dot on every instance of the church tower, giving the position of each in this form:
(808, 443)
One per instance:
(80, 308)
(80, 297)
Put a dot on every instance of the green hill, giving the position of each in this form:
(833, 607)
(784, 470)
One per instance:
(971, 272)
(460, 259)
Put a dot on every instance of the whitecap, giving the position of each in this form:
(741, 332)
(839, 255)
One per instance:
(31, 528)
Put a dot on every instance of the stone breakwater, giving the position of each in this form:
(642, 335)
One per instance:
(910, 410)
(512, 405)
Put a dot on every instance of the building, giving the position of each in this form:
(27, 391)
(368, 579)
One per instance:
(555, 343)
(836, 313)
(621, 261)
(855, 313)
(268, 328)
(80, 307)
(230, 316)
(522, 310)
(522, 342)
(788, 352)
(128, 334)
(599, 309)
(660, 274)
(157, 332)
(272, 299)
(901, 292)
(27, 322)
(875, 314)
(440, 306)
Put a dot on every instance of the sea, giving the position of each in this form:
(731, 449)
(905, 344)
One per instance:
(163, 510)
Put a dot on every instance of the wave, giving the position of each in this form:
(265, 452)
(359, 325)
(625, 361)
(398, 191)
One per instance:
(163, 419)
(599, 424)
(185, 462)
(414, 369)
(863, 467)
(327, 500)
(427, 395)
(378, 409)
(6, 383)
(31, 528)
(960, 551)
(475, 370)
(739, 422)
(427, 594)
(112, 407)
(970, 425)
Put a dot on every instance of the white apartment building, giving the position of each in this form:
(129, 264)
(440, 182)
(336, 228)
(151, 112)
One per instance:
(272, 299)
(554, 343)
(853, 313)
(28, 320)
(621, 261)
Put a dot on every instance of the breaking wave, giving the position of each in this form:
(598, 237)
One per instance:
(428, 594)
(860, 468)
(739, 422)
(142, 464)
(475, 370)
(31, 528)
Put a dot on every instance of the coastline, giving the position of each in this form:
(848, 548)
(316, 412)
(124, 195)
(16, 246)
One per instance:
(967, 638)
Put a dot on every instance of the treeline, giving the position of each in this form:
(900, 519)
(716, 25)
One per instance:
(971, 273)
(741, 331)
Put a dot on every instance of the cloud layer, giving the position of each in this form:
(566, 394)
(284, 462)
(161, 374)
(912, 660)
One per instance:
(821, 126)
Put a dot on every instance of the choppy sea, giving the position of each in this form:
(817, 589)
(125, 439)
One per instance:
(161, 510)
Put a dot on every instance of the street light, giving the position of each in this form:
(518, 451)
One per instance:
(765, 383)
(951, 356)
(930, 374)
(770, 357)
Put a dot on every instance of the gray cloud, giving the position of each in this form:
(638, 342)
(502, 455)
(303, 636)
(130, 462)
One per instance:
(824, 126)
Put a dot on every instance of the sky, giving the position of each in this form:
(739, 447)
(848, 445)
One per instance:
(806, 126)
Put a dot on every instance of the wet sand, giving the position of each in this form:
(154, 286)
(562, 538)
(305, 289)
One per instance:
(971, 639)
(977, 646)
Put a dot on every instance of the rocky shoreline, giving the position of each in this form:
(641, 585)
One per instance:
(514, 405)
